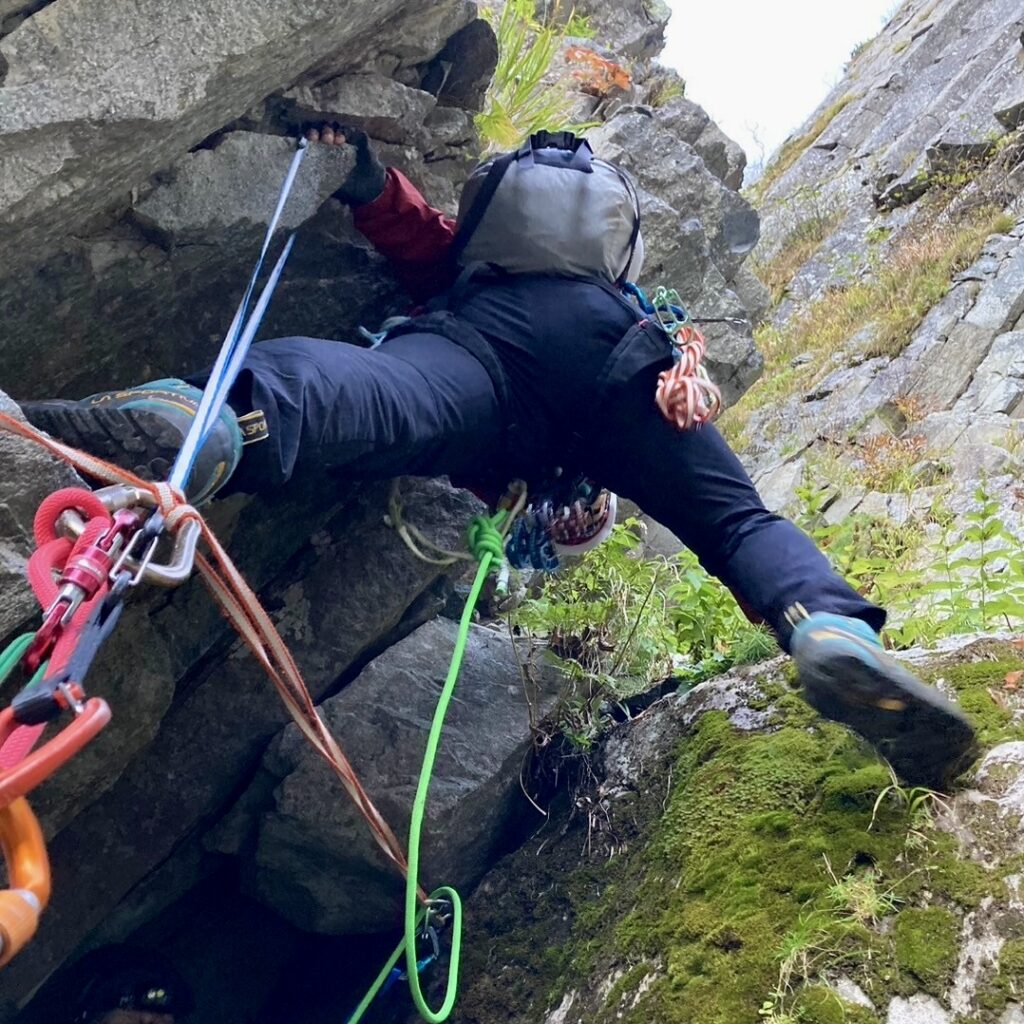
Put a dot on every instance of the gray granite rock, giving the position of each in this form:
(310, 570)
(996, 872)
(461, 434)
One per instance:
(382, 107)
(164, 769)
(203, 195)
(315, 862)
(129, 98)
(919, 1009)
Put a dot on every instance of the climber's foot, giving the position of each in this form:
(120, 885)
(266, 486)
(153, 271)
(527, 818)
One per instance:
(847, 676)
(142, 429)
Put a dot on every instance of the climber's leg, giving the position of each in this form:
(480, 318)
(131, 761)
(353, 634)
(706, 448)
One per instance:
(693, 483)
(419, 404)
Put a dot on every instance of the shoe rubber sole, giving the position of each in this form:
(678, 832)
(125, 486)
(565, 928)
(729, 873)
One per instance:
(925, 738)
(142, 442)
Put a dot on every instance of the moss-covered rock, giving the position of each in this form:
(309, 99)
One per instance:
(925, 941)
(818, 1004)
(744, 870)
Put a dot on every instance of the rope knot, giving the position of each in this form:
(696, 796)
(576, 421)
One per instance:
(685, 394)
(485, 539)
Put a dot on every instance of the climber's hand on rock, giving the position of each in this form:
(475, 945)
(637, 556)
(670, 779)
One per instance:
(365, 181)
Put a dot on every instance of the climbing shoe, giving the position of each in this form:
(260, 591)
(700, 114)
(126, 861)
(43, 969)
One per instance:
(847, 676)
(141, 429)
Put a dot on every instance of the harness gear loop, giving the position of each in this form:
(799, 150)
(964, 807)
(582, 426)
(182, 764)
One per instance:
(28, 874)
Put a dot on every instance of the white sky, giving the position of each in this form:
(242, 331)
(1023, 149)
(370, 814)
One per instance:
(761, 66)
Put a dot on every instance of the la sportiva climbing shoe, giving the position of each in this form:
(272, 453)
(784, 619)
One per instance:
(141, 429)
(847, 676)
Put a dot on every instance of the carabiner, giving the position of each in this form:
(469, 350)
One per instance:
(38, 766)
(168, 574)
(28, 874)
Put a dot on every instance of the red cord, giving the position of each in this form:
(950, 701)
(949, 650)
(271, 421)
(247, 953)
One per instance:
(45, 563)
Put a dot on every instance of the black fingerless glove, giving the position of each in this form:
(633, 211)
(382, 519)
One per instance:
(366, 180)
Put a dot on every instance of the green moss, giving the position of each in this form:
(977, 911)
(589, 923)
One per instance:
(926, 945)
(858, 788)
(960, 881)
(723, 883)
(973, 682)
(1011, 968)
(739, 856)
(820, 1005)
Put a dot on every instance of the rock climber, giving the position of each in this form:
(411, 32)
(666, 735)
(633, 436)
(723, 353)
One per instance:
(519, 375)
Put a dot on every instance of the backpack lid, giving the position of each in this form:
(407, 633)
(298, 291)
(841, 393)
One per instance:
(550, 206)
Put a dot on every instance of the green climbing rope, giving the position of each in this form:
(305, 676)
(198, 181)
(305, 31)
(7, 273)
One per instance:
(13, 653)
(487, 544)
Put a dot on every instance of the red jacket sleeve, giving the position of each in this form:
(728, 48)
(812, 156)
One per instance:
(415, 237)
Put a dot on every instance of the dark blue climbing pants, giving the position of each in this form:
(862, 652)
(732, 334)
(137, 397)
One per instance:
(425, 404)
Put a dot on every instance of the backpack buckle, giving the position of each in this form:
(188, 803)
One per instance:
(554, 140)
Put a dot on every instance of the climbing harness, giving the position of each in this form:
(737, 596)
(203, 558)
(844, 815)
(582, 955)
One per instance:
(685, 394)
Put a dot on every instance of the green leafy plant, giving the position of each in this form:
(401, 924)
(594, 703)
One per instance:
(618, 621)
(860, 897)
(918, 802)
(520, 101)
(663, 87)
(578, 26)
(956, 582)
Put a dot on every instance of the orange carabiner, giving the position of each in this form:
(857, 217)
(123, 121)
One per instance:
(28, 873)
(23, 777)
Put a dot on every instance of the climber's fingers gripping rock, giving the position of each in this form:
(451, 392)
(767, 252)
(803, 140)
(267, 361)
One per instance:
(366, 180)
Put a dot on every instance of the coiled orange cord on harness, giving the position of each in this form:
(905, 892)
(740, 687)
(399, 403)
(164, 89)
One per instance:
(685, 394)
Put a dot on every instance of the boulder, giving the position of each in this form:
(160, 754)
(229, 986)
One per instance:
(697, 234)
(134, 85)
(465, 66)
(382, 107)
(633, 28)
(685, 846)
(315, 862)
(203, 193)
(165, 769)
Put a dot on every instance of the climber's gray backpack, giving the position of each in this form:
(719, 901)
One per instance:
(550, 207)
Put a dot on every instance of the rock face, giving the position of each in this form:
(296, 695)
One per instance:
(142, 99)
(312, 849)
(725, 827)
(697, 233)
(914, 149)
(141, 149)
